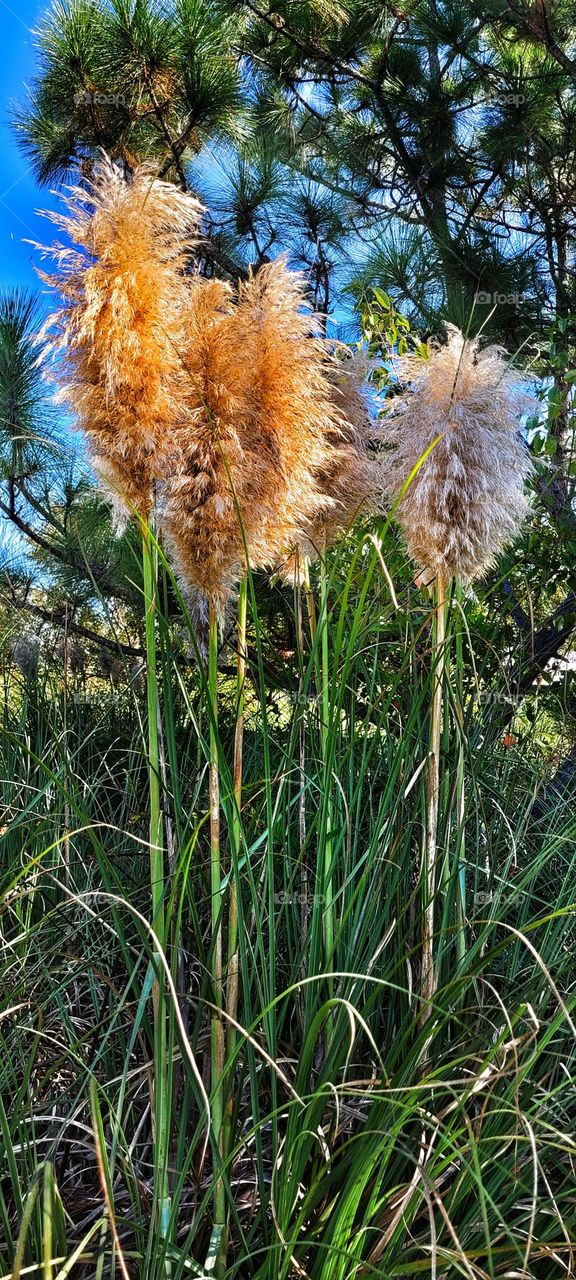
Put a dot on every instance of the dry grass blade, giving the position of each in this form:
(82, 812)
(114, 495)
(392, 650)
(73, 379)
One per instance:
(106, 1189)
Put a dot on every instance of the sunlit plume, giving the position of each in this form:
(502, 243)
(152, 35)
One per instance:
(467, 498)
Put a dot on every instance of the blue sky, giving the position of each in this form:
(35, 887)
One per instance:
(19, 194)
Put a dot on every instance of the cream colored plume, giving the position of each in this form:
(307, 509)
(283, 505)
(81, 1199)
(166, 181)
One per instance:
(467, 499)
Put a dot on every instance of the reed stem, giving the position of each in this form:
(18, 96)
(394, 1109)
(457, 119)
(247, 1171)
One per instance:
(65, 682)
(236, 823)
(161, 1108)
(460, 793)
(218, 1247)
(150, 568)
(429, 976)
(301, 582)
(309, 595)
(328, 876)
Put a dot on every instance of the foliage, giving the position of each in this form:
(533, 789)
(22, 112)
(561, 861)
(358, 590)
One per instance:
(375, 1145)
(417, 163)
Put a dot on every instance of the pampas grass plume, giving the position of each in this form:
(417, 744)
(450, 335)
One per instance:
(466, 500)
(352, 477)
(259, 434)
(25, 653)
(116, 332)
(223, 406)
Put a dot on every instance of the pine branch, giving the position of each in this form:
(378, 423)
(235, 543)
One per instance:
(169, 140)
(94, 573)
(540, 31)
(543, 646)
(60, 618)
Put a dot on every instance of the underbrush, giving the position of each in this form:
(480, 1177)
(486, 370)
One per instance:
(362, 1137)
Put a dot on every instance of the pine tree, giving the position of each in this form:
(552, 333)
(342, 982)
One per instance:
(427, 150)
(431, 148)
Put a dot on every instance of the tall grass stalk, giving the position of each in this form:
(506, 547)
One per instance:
(217, 1035)
(156, 841)
(161, 1107)
(460, 851)
(65, 693)
(236, 819)
(309, 596)
(429, 869)
(327, 1173)
(300, 580)
(326, 735)
(232, 972)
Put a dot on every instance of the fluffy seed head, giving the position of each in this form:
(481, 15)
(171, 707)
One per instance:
(350, 481)
(111, 667)
(220, 403)
(70, 653)
(467, 499)
(257, 437)
(117, 329)
(352, 478)
(25, 652)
